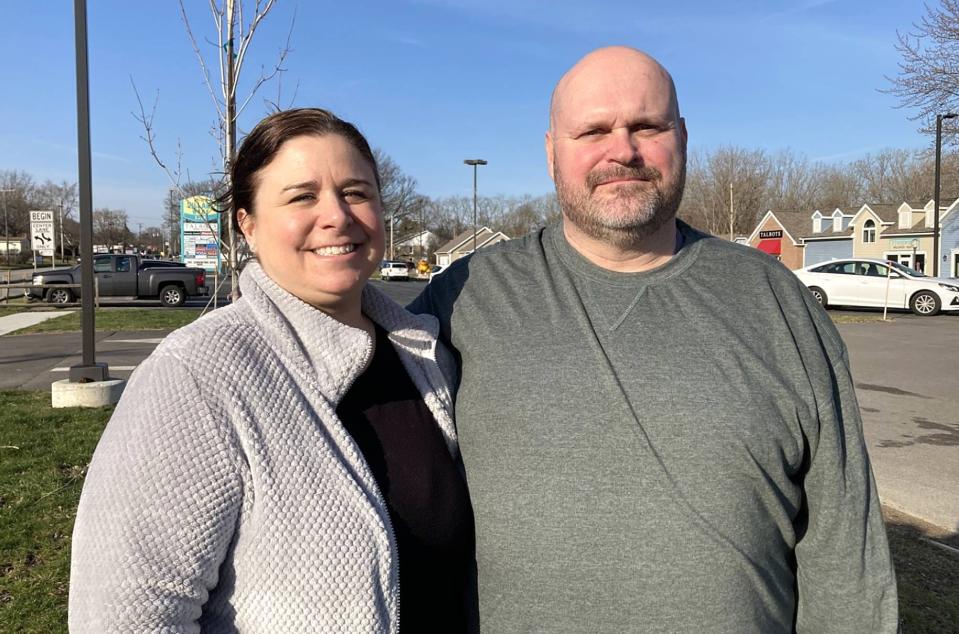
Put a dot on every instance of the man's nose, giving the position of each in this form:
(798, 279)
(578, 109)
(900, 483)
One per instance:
(623, 147)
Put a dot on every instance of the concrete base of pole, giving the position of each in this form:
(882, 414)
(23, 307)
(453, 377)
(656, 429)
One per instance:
(94, 394)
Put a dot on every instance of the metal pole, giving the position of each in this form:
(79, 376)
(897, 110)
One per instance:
(475, 168)
(61, 233)
(731, 216)
(935, 199)
(89, 370)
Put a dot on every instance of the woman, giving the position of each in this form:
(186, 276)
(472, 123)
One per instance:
(287, 463)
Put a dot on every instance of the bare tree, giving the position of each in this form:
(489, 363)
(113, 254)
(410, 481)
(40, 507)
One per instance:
(928, 76)
(228, 53)
(707, 203)
(110, 226)
(398, 194)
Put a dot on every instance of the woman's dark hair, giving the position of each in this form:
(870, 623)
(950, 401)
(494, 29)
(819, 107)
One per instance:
(264, 141)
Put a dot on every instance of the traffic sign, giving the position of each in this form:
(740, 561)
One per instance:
(41, 233)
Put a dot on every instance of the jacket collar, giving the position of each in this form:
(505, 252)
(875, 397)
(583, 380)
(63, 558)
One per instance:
(312, 340)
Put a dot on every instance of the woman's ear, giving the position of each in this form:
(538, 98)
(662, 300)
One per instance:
(247, 226)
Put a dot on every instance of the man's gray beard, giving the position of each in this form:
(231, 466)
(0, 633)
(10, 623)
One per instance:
(654, 208)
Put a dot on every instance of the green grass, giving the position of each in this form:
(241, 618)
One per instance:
(44, 454)
(864, 318)
(113, 319)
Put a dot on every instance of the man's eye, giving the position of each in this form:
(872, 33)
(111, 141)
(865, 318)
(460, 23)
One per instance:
(593, 132)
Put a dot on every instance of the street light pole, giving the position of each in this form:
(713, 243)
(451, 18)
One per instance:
(475, 163)
(935, 197)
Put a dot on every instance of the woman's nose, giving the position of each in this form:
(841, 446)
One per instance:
(333, 212)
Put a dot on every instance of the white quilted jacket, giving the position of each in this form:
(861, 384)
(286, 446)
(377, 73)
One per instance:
(226, 496)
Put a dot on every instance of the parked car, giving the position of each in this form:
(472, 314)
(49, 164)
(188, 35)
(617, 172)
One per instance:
(878, 283)
(125, 276)
(394, 270)
(437, 269)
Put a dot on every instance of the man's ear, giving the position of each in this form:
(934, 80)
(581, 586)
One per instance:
(549, 154)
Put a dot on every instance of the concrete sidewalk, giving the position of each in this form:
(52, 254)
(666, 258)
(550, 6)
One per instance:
(11, 323)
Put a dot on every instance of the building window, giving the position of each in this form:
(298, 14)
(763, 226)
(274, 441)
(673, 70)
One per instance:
(869, 231)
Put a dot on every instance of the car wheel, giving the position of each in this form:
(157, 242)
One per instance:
(925, 303)
(59, 296)
(172, 296)
(820, 295)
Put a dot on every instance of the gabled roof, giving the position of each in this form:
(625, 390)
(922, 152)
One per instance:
(827, 232)
(887, 213)
(483, 235)
(794, 223)
(409, 237)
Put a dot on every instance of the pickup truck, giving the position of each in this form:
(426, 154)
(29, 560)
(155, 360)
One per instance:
(125, 276)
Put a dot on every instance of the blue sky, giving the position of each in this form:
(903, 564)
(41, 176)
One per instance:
(432, 82)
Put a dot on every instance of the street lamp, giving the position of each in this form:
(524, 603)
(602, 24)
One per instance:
(935, 197)
(475, 163)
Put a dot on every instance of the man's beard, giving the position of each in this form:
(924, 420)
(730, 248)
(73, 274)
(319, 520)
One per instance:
(635, 211)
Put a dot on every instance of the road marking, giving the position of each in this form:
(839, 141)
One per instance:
(152, 342)
(119, 368)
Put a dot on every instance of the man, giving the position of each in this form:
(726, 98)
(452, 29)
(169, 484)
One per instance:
(659, 427)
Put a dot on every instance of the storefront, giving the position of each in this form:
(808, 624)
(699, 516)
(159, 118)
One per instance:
(775, 235)
(908, 252)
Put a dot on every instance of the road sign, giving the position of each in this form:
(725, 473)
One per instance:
(41, 233)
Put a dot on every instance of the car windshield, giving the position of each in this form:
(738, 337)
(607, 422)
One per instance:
(905, 269)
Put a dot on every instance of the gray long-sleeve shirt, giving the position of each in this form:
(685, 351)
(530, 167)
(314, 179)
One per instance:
(674, 450)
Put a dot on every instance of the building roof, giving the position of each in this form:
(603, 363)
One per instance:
(887, 212)
(482, 234)
(827, 232)
(796, 223)
(410, 237)
(915, 230)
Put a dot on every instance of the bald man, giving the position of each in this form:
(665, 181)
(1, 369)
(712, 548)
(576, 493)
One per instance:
(659, 427)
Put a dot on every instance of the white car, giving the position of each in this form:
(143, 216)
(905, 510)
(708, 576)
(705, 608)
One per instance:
(437, 269)
(394, 271)
(879, 283)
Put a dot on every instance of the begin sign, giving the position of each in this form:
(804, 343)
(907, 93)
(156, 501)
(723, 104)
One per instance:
(41, 233)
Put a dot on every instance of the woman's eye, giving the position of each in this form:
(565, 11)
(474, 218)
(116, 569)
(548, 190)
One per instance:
(302, 197)
(355, 195)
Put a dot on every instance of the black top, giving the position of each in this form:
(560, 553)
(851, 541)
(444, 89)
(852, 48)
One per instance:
(424, 489)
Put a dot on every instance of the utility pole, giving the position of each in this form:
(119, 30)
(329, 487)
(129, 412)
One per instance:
(6, 228)
(61, 231)
(731, 213)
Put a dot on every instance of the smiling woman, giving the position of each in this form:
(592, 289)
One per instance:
(271, 466)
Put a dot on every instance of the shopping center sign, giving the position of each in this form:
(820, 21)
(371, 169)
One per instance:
(199, 232)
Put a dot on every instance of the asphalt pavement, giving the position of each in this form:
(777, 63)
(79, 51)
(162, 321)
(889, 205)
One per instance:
(907, 380)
